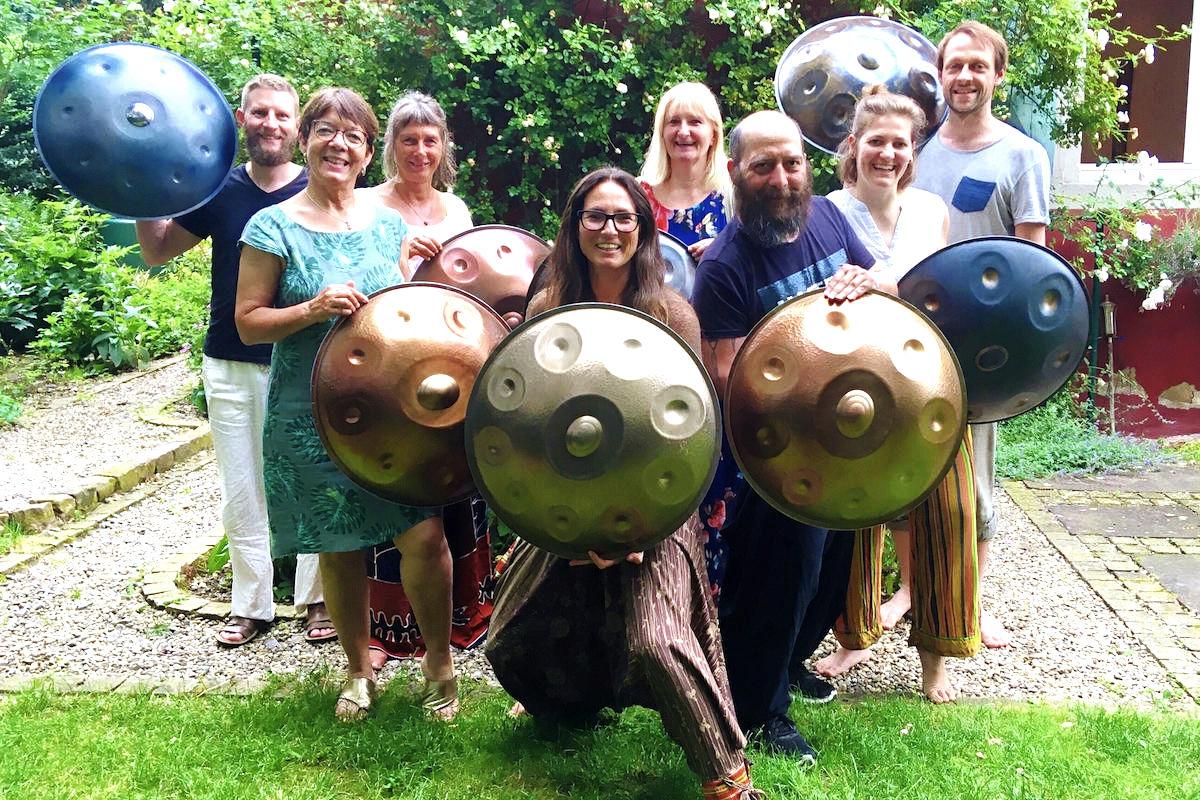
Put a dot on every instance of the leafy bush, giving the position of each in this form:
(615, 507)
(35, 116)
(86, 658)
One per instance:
(1052, 439)
(10, 408)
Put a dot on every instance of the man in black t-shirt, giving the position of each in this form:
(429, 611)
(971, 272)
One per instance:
(785, 581)
(234, 374)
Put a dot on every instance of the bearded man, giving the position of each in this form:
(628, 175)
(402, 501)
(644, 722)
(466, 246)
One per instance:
(235, 374)
(785, 581)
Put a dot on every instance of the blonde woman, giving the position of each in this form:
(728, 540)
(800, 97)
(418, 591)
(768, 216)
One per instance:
(685, 173)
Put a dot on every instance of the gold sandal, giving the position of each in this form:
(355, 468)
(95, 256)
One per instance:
(354, 701)
(440, 698)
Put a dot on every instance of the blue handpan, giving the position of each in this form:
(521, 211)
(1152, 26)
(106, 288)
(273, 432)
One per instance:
(1015, 313)
(135, 131)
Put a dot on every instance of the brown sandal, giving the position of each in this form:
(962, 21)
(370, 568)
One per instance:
(319, 621)
(244, 628)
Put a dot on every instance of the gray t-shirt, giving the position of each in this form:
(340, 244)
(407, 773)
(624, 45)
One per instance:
(988, 190)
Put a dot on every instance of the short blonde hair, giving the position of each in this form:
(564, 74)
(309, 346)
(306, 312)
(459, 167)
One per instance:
(878, 102)
(418, 108)
(268, 80)
(982, 34)
(698, 97)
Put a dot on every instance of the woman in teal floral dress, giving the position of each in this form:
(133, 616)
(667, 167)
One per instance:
(306, 262)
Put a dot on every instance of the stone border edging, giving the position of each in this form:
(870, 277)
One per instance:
(114, 478)
(1150, 631)
(161, 587)
(105, 683)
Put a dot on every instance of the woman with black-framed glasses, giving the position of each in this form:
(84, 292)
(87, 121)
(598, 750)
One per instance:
(569, 639)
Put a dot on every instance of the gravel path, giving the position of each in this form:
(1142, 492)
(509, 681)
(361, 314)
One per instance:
(88, 615)
(80, 608)
(66, 431)
(1067, 644)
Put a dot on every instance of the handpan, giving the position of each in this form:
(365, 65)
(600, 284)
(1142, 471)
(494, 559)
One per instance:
(495, 263)
(134, 130)
(1015, 313)
(390, 387)
(681, 267)
(821, 75)
(593, 427)
(845, 416)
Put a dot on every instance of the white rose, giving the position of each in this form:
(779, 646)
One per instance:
(1149, 53)
(1101, 274)
(1142, 231)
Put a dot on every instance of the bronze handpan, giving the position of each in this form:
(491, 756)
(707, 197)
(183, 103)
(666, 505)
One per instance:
(135, 131)
(495, 263)
(593, 427)
(1015, 313)
(821, 75)
(845, 416)
(390, 387)
(681, 267)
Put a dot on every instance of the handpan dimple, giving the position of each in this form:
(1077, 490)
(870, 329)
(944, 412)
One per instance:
(869, 429)
(389, 391)
(134, 130)
(822, 73)
(1014, 312)
(617, 422)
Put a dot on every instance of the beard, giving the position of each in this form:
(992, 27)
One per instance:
(266, 156)
(769, 215)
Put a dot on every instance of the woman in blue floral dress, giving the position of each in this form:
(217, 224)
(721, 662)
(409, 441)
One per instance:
(687, 180)
(306, 262)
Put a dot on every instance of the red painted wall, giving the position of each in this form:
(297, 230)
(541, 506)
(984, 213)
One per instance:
(1162, 346)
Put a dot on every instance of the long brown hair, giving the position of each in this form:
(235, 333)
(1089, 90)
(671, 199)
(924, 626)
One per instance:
(568, 268)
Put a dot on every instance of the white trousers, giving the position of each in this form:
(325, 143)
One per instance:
(983, 461)
(236, 392)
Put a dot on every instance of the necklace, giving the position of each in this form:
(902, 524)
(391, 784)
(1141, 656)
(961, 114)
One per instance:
(344, 221)
(436, 201)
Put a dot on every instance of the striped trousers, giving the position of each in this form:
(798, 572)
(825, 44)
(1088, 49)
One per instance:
(945, 575)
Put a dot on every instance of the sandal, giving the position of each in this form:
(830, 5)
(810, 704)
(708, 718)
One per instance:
(319, 620)
(244, 628)
(354, 701)
(440, 698)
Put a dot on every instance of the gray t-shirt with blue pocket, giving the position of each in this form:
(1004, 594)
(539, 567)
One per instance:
(990, 190)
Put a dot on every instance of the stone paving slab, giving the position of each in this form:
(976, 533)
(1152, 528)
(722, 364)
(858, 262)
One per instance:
(1171, 521)
(1179, 575)
(1179, 477)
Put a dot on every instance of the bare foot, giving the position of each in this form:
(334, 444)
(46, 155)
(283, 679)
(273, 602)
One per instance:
(517, 710)
(891, 612)
(992, 632)
(840, 662)
(378, 659)
(935, 681)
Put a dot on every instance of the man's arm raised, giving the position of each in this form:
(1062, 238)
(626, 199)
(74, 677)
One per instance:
(163, 239)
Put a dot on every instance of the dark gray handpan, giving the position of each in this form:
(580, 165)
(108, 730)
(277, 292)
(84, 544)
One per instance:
(681, 267)
(134, 130)
(1015, 313)
(821, 75)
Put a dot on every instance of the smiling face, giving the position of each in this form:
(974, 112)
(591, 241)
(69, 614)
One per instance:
(968, 75)
(271, 121)
(418, 152)
(687, 134)
(608, 248)
(884, 150)
(334, 159)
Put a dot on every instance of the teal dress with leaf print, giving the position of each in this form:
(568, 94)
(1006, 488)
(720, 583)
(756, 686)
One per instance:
(311, 506)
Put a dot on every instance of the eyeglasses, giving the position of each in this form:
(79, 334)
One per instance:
(325, 132)
(623, 221)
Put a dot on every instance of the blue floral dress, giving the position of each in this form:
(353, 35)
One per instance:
(689, 225)
(311, 505)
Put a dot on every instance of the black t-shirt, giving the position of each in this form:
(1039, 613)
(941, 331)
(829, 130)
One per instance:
(738, 281)
(223, 219)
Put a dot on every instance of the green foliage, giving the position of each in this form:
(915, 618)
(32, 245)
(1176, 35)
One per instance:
(1053, 439)
(10, 408)
(10, 533)
(218, 557)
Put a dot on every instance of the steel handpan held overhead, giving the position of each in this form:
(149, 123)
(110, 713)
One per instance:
(844, 416)
(495, 263)
(822, 73)
(681, 267)
(593, 427)
(135, 131)
(1015, 313)
(390, 387)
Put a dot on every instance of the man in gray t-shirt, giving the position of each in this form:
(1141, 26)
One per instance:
(996, 182)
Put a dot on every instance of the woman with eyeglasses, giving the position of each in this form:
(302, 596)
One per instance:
(569, 639)
(305, 263)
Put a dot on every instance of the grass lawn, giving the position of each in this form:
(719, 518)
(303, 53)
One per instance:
(122, 746)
